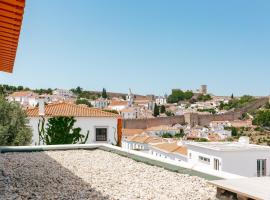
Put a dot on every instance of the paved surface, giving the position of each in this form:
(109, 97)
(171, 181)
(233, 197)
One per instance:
(256, 188)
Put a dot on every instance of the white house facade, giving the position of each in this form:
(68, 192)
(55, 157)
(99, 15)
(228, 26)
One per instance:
(239, 158)
(24, 98)
(102, 126)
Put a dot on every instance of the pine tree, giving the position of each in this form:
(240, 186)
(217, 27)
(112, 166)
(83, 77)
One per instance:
(104, 93)
(156, 110)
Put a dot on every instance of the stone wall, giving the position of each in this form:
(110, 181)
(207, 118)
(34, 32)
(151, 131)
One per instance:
(146, 123)
(193, 118)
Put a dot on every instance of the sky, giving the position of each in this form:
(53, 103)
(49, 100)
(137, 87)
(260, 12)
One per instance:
(149, 46)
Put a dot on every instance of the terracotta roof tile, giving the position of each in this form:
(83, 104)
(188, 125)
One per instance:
(68, 109)
(132, 132)
(118, 103)
(171, 148)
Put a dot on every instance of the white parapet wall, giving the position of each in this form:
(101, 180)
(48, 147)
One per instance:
(143, 157)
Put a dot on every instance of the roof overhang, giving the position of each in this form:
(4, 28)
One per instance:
(11, 16)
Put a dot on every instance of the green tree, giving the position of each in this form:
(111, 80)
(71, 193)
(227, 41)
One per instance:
(111, 111)
(59, 130)
(202, 97)
(181, 134)
(78, 90)
(262, 118)
(169, 113)
(20, 88)
(14, 130)
(179, 95)
(83, 101)
(267, 105)
(104, 93)
(232, 96)
(234, 131)
(162, 109)
(167, 135)
(156, 110)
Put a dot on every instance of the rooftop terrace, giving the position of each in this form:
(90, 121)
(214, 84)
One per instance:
(92, 174)
(229, 146)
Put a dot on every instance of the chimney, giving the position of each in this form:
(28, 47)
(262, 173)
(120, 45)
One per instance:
(41, 105)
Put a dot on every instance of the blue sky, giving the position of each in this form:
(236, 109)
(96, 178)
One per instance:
(150, 46)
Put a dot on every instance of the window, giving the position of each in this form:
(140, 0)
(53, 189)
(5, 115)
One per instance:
(204, 160)
(190, 155)
(216, 164)
(261, 167)
(101, 134)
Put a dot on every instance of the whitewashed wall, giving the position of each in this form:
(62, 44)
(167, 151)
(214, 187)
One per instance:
(243, 163)
(86, 124)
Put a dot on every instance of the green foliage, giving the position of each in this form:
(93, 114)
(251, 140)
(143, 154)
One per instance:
(167, 135)
(236, 103)
(234, 132)
(83, 101)
(13, 125)
(162, 109)
(210, 110)
(204, 98)
(262, 118)
(78, 90)
(267, 106)
(201, 140)
(43, 91)
(232, 96)
(169, 113)
(7, 89)
(60, 130)
(111, 111)
(179, 95)
(104, 93)
(156, 110)
(181, 134)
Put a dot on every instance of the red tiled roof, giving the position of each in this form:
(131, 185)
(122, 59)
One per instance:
(171, 148)
(118, 103)
(68, 109)
(132, 132)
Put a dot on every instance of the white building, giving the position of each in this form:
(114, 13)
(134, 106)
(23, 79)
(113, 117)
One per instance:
(240, 158)
(100, 103)
(118, 105)
(169, 150)
(24, 98)
(102, 126)
(140, 142)
(63, 93)
(160, 130)
(129, 113)
(161, 100)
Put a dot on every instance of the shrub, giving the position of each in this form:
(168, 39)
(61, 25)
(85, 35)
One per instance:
(60, 130)
(13, 125)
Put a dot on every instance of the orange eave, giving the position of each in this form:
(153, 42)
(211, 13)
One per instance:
(11, 16)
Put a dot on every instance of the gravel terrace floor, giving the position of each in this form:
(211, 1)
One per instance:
(94, 174)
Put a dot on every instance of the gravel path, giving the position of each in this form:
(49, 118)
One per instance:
(80, 174)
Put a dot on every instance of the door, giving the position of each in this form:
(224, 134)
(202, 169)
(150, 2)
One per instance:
(216, 164)
(261, 167)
